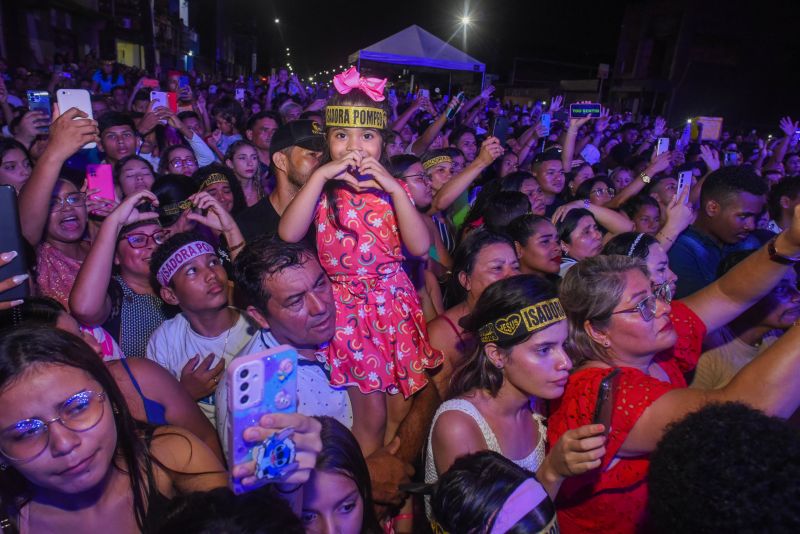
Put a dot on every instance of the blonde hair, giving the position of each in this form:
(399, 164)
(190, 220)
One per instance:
(590, 291)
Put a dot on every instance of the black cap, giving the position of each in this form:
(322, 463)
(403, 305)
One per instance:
(303, 133)
(551, 154)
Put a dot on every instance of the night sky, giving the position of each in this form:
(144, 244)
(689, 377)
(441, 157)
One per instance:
(321, 34)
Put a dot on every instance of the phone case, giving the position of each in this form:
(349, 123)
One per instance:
(11, 239)
(684, 179)
(40, 101)
(76, 98)
(159, 97)
(259, 384)
(545, 120)
(100, 176)
(604, 407)
(172, 102)
(662, 146)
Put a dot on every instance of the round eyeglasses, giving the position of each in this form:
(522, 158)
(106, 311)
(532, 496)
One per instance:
(139, 239)
(26, 439)
(72, 200)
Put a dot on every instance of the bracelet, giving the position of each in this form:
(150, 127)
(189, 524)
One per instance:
(236, 247)
(665, 236)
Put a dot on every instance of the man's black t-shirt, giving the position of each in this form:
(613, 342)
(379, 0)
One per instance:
(259, 219)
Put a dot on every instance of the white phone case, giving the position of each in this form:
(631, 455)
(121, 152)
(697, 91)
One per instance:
(76, 98)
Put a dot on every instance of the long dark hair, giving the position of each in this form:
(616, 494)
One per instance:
(498, 300)
(342, 454)
(470, 494)
(24, 347)
(465, 256)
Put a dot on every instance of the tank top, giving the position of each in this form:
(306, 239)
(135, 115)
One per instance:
(153, 410)
(531, 462)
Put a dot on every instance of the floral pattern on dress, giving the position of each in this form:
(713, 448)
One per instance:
(381, 341)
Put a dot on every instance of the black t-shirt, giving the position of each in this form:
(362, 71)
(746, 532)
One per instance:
(259, 219)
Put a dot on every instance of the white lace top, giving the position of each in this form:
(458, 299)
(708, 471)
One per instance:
(530, 462)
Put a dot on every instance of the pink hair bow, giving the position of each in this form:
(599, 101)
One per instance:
(351, 79)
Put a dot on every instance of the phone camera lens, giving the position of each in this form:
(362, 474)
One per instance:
(243, 373)
(244, 386)
(244, 399)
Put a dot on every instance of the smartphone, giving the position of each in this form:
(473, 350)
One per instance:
(545, 120)
(76, 98)
(183, 81)
(11, 239)
(168, 100)
(425, 93)
(604, 406)
(452, 113)
(729, 158)
(684, 181)
(392, 92)
(40, 101)
(151, 83)
(580, 111)
(499, 128)
(259, 384)
(240, 94)
(212, 89)
(100, 176)
(662, 145)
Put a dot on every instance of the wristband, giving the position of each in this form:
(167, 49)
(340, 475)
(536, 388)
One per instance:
(777, 257)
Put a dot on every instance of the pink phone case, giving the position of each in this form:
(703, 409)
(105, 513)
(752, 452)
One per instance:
(100, 176)
(258, 384)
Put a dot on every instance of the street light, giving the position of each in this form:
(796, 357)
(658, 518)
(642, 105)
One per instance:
(277, 21)
(465, 20)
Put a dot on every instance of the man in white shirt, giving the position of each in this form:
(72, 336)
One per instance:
(290, 297)
(197, 343)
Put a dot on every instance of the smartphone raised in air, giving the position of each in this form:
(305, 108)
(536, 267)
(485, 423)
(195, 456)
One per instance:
(580, 111)
(76, 98)
(259, 384)
(40, 101)
(662, 145)
(684, 181)
(100, 176)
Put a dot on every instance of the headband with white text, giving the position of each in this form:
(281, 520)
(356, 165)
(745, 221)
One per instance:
(180, 257)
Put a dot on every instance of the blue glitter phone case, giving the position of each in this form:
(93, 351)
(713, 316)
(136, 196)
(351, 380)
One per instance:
(259, 384)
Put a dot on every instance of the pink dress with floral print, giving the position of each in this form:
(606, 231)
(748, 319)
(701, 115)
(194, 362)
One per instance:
(381, 342)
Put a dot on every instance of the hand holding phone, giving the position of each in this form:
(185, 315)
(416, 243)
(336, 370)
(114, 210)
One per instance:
(257, 385)
(100, 177)
(76, 98)
(684, 181)
(40, 101)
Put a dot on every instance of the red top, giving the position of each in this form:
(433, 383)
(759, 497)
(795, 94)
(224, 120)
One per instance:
(614, 500)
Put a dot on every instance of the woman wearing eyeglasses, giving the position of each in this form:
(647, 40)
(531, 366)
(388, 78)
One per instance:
(621, 317)
(177, 159)
(113, 287)
(72, 459)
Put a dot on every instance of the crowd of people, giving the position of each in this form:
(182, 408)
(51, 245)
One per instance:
(459, 296)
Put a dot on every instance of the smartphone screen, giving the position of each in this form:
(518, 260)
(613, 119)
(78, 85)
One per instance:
(40, 101)
(604, 406)
(580, 111)
(240, 93)
(183, 81)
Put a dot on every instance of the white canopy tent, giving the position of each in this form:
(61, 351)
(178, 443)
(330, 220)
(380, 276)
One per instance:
(417, 47)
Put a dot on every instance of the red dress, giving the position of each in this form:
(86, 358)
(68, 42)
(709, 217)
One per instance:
(381, 341)
(615, 500)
